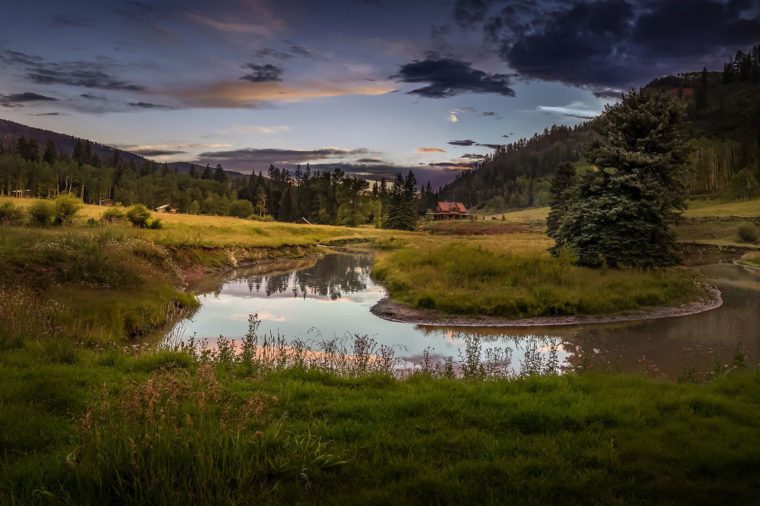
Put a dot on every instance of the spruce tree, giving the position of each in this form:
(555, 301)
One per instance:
(219, 174)
(625, 204)
(561, 190)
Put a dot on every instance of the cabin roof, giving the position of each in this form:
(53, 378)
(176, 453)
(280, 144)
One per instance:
(451, 207)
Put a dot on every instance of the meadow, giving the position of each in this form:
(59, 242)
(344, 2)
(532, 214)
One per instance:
(95, 410)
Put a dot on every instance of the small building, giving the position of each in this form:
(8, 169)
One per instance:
(166, 208)
(449, 211)
(22, 194)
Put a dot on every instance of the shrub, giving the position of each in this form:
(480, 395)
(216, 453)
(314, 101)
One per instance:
(138, 215)
(241, 208)
(113, 215)
(11, 214)
(42, 212)
(66, 207)
(748, 232)
(155, 224)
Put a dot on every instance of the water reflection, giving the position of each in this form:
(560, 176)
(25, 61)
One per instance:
(332, 299)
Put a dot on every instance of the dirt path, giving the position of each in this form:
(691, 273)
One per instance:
(393, 311)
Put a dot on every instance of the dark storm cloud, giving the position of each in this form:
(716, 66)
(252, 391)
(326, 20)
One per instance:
(466, 142)
(448, 77)
(492, 146)
(369, 160)
(18, 99)
(51, 114)
(607, 93)
(258, 158)
(147, 105)
(262, 73)
(454, 165)
(613, 43)
(488, 113)
(469, 12)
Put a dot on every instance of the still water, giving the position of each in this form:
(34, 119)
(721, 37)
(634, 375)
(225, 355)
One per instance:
(332, 299)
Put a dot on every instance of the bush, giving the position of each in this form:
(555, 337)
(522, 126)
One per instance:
(241, 208)
(66, 207)
(113, 215)
(748, 232)
(42, 213)
(138, 215)
(155, 224)
(11, 214)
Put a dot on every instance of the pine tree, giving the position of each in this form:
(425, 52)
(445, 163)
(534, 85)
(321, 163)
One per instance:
(219, 174)
(206, 173)
(561, 189)
(50, 155)
(625, 204)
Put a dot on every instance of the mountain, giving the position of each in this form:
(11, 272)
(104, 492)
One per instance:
(722, 131)
(11, 131)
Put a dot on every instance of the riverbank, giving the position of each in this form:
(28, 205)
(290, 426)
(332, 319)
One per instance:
(397, 312)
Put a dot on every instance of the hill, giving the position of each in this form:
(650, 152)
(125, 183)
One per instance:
(722, 131)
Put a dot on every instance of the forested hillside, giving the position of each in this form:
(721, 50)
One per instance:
(723, 132)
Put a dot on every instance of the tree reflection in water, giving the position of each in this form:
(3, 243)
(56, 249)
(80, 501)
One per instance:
(331, 276)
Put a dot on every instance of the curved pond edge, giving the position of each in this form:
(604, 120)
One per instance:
(397, 312)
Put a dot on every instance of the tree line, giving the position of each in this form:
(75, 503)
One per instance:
(325, 197)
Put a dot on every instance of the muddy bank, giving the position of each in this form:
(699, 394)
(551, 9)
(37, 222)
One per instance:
(393, 311)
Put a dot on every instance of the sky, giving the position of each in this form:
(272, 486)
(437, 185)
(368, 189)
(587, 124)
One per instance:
(371, 86)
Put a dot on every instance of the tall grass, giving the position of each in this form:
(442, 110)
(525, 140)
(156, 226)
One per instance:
(461, 278)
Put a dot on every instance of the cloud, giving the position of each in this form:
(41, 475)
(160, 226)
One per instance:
(613, 43)
(160, 150)
(369, 160)
(448, 77)
(253, 158)
(492, 146)
(466, 142)
(18, 99)
(84, 74)
(262, 73)
(488, 113)
(236, 26)
(608, 93)
(473, 156)
(148, 105)
(63, 20)
(256, 129)
(453, 118)
(51, 114)
(293, 51)
(574, 110)
(430, 150)
(240, 94)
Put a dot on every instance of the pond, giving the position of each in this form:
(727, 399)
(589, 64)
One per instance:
(332, 299)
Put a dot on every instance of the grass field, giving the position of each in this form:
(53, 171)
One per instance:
(505, 280)
(81, 426)
(225, 231)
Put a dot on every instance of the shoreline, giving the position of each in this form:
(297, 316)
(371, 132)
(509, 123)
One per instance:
(402, 313)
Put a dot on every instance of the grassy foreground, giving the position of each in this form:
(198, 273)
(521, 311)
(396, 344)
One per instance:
(495, 279)
(80, 426)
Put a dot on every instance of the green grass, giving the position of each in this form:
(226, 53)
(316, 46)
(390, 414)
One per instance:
(163, 428)
(715, 209)
(469, 279)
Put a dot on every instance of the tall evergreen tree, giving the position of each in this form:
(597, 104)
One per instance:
(635, 190)
(561, 189)
(219, 174)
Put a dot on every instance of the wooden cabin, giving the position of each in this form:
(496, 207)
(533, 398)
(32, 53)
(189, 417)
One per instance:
(166, 208)
(449, 211)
